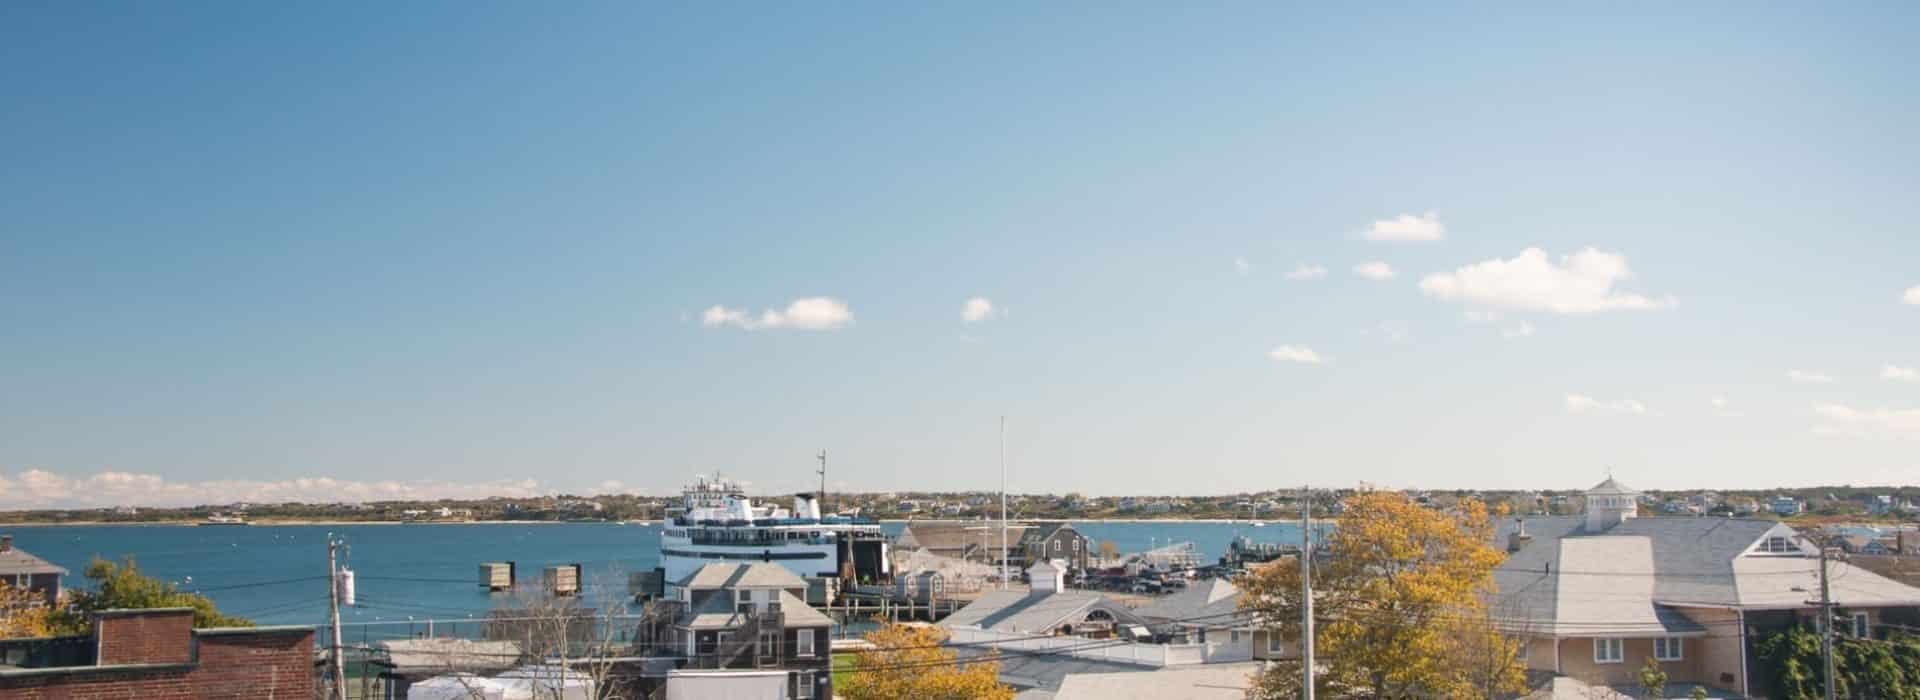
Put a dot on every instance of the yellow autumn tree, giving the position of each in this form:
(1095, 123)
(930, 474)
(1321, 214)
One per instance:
(908, 663)
(23, 613)
(1400, 606)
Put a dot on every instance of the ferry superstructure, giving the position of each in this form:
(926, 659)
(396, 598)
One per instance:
(718, 523)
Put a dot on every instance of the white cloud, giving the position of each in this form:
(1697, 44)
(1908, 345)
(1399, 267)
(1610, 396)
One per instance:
(1521, 331)
(1587, 405)
(1407, 227)
(1304, 271)
(1479, 316)
(35, 488)
(1241, 266)
(811, 313)
(1374, 270)
(1802, 376)
(1721, 407)
(1900, 374)
(1296, 353)
(977, 309)
(1580, 283)
(1846, 421)
(615, 487)
(1912, 296)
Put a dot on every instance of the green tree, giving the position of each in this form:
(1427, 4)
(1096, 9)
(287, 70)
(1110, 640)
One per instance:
(1874, 668)
(122, 587)
(1653, 679)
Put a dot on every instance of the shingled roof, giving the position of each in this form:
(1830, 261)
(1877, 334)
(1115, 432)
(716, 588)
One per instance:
(720, 612)
(713, 576)
(958, 536)
(1630, 578)
(14, 562)
(1036, 612)
(1210, 603)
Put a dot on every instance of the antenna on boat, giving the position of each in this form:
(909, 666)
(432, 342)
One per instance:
(823, 481)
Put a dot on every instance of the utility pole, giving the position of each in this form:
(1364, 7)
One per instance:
(1003, 503)
(1306, 593)
(822, 500)
(1826, 622)
(333, 614)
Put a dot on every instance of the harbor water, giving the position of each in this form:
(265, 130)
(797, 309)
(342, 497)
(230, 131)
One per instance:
(276, 574)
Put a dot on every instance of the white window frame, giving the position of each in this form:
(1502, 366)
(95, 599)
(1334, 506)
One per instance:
(1669, 649)
(1603, 645)
(803, 685)
(1862, 625)
(1521, 653)
(803, 643)
(1276, 645)
(767, 645)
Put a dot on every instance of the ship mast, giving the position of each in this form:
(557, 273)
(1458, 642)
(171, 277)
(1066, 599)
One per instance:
(823, 483)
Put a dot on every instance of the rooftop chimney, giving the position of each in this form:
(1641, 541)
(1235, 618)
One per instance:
(6, 543)
(1519, 538)
(1047, 576)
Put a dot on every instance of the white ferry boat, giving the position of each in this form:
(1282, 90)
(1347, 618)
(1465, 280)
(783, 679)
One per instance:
(717, 523)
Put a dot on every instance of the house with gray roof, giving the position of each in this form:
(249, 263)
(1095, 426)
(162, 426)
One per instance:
(1044, 635)
(743, 616)
(21, 570)
(1054, 541)
(1207, 606)
(978, 540)
(1594, 596)
(1048, 609)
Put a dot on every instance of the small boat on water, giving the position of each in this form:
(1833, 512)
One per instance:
(223, 519)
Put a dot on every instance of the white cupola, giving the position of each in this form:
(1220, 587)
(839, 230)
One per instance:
(1609, 503)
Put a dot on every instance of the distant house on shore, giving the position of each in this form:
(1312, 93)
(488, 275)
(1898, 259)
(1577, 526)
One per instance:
(1597, 595)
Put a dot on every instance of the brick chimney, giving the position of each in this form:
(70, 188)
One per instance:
(152, 636)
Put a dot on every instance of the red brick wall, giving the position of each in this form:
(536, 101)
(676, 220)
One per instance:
(240, 667)
(101, 685)
(274, 665)
(157, 637)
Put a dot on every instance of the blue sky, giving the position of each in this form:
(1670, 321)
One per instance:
(470, 247)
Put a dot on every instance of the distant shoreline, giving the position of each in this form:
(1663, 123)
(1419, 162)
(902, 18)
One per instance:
(1218, 521)
(298, 523)
(902, 521)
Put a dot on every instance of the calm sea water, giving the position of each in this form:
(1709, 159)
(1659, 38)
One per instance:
(275, 574)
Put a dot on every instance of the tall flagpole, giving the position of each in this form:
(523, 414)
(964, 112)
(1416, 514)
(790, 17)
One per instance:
(1306, 593)
(1004, 552)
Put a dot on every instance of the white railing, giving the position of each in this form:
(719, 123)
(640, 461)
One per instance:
(1227, 652)
(1114, 650)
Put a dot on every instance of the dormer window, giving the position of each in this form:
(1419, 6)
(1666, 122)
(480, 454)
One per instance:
(1777, 544)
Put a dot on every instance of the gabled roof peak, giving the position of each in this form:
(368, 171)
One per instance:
(1611, 488)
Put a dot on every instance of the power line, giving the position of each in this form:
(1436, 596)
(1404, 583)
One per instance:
(256, 584)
